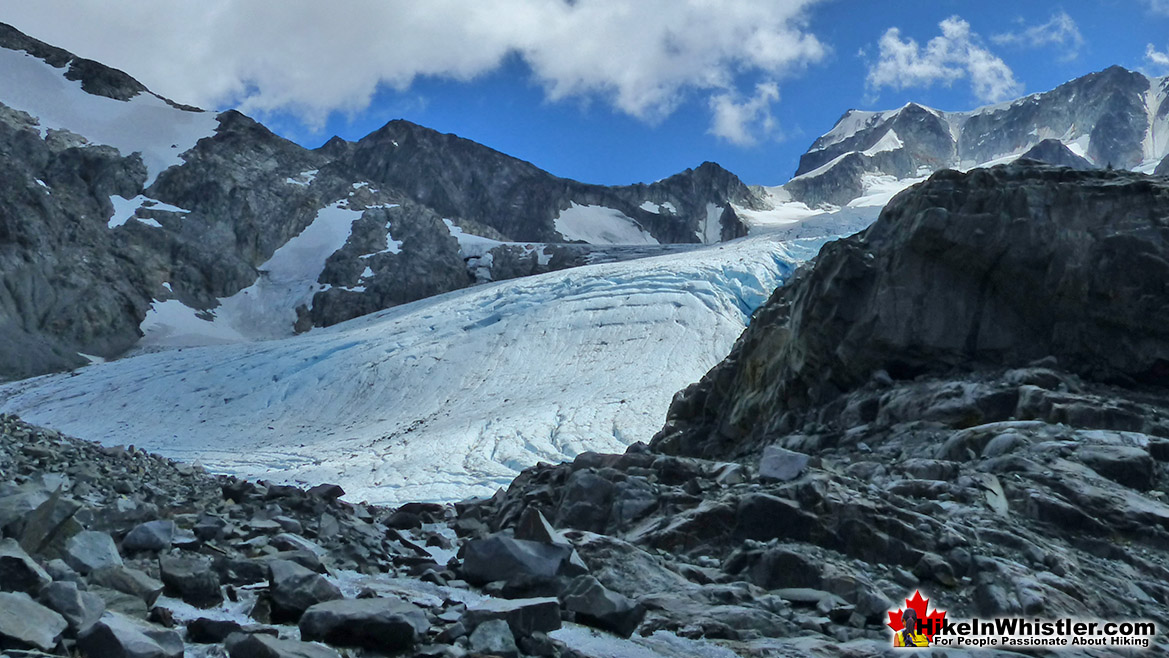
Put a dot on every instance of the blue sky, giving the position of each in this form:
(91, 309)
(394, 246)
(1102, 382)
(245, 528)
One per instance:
(604, 91)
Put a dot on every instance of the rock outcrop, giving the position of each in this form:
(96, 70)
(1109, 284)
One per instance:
(995, 268)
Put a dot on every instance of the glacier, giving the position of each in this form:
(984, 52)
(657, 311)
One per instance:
(444, 398)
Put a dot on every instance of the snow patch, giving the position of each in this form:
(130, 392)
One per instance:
(600, 225)
(124, 210)
(888, 142)
(711, 230)
(145, 124)
(265, 309)
(304, 178)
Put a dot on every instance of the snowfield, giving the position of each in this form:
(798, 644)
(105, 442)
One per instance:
(443, 398)
(144, 124)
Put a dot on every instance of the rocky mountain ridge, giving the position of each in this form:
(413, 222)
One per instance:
(101, 226)
(1113, 118)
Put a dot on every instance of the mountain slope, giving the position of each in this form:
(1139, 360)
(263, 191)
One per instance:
(440, 399)
(119, 204)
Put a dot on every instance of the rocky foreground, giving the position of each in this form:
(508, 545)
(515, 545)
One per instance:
(969, 399)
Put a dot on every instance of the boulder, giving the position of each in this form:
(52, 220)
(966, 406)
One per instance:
(500, 557)
(295, 589)
(50, 524)
(779, 464)
(245, 645)
(494, 638)
(91, 550)
(326, 491)
(211, 631)
(377, 623)
(24, 623)
(153, 536)
(116, 636)
(596, 605)
(80, 609)
(128, 581)
(192, 579)
(524, 616)
(18, 571)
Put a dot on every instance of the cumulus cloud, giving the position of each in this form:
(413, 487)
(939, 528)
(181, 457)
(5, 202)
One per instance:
(955, 55)
(1157, 59)
(313, 58)
(744, 121)
(1061, 31)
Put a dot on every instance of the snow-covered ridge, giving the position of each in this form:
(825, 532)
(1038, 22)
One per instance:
(442, 398)
(144, 124)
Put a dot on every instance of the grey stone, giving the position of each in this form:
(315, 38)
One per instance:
(117, 636)
(50, 524)
(150, 536)
(211, 631)
(247, 645)
(781, 464)
(533, 526)
(784, 568)
(502, 558)
(18, 571)
(78, 608)
(128, 581)
(377, 623)
(524, 616)
(28, 624)
(192, 579)
(121, 602)
(596, 605)
(295, 589)
(91, 550)
(494, 638)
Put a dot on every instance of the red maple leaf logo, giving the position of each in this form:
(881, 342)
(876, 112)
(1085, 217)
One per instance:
(930, 623)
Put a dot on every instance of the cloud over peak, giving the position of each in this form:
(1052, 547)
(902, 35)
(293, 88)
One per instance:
(956, 54)
(1060, 30)
(644, 57)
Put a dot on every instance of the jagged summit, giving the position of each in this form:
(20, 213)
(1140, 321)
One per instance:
(1114, 116)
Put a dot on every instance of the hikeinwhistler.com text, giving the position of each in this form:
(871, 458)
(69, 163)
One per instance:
(1052, 633)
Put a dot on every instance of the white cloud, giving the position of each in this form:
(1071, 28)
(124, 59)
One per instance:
(1158, 6)
(744, 122)
(955, 55)
(1156, 58)
(1061, 30)
(644, 57)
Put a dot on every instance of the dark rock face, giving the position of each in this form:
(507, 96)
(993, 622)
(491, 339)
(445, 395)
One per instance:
(997, 267)
(1054, 152)
(1107, 108)
(1162, 168)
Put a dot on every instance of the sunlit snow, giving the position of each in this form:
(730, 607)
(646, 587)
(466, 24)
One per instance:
(144, 124)
(600, 225)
